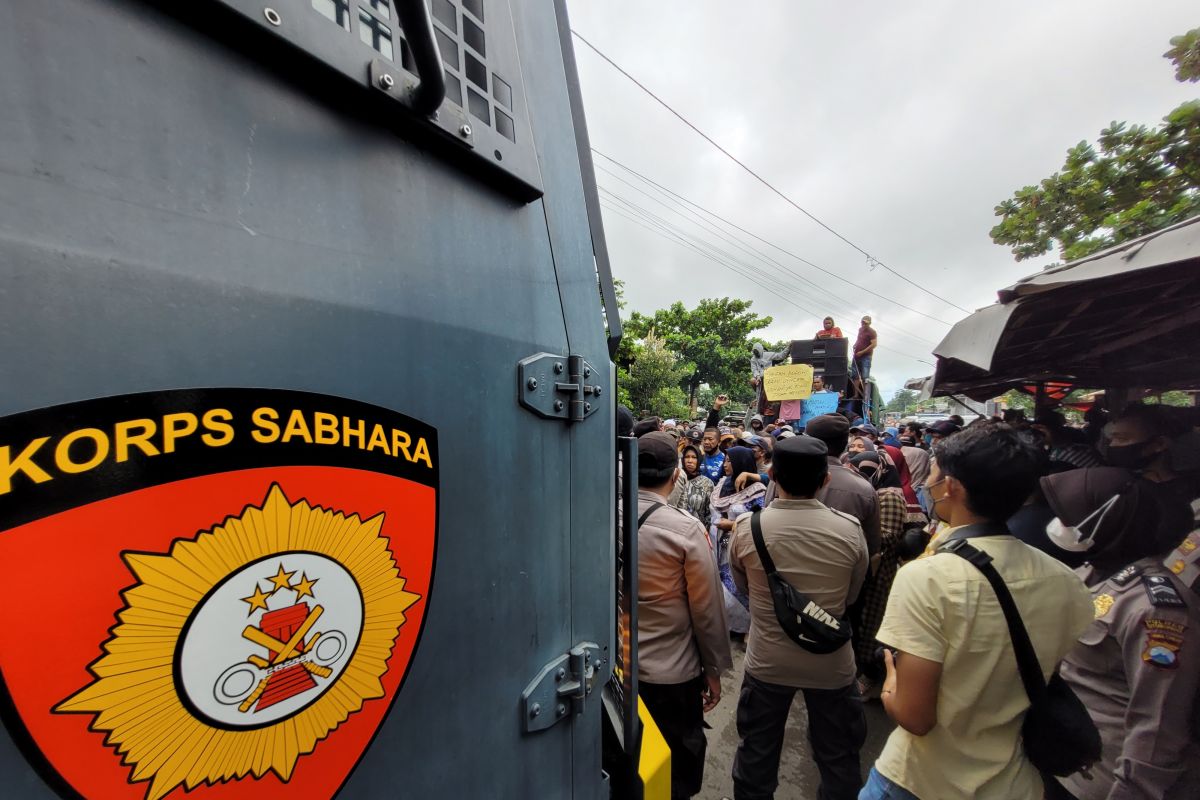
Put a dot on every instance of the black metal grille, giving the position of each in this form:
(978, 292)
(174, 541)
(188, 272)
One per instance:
(462, 40)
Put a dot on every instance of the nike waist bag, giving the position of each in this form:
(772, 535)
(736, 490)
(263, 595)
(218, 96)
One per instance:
(806, 623)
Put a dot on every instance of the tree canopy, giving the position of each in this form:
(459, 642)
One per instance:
(711, 343)
(903, 401)
(1134, 180)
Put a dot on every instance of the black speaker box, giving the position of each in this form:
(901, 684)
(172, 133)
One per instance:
(805, 350)
(827, 357)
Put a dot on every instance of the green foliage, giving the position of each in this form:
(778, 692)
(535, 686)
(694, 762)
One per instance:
(1015, 398)
(1185, 55)
(1171, 398)
(711, 342)
(903, 401)
(1134, 180)
(652, 381)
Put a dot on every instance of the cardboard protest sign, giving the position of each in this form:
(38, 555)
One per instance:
(818, 403)
(791, 382)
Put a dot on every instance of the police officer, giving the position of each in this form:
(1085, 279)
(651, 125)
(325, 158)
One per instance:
(683, 645)
(1137, 667)
(822, 553)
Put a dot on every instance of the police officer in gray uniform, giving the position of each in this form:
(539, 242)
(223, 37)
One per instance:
(1137, 667)
(683, 641)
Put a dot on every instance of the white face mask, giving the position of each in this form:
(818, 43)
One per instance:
(1079, 538)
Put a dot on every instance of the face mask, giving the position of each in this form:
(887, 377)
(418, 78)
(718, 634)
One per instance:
(928, 438)
(1129, 456)
(1079, 538)
(933, 501)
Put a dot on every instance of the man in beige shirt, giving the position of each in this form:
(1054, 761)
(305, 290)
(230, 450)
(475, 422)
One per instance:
(954, 689)
(683, 641)
(823, 554)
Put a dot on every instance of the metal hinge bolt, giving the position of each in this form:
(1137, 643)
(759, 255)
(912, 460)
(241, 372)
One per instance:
(386, 81)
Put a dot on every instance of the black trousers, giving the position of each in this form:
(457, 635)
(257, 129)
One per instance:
(837, 728)
(678, 710)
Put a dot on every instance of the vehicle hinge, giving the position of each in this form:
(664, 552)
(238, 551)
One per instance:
(562, 687)
(556, 387)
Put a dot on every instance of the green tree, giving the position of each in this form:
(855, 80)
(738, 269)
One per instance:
(711, 341)
(653, 380)
(1134, 180)
(903, 401)
(1185, 55)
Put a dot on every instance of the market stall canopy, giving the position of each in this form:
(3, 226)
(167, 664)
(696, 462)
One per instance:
(1128, 316)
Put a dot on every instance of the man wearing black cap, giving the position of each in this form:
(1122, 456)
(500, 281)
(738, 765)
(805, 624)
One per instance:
(847, 491)
(821, 553)
(683, 641)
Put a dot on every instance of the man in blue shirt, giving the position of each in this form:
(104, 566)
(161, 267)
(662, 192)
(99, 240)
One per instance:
(713, 466)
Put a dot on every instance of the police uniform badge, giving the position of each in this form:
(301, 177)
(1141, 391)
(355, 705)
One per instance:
(222, 589)
(1164, 638)
(1161, 592)
(1101, 604)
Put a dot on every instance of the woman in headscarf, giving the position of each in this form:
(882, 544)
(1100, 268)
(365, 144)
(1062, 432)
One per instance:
(860, 444)
(893, 513)
(894, 456)
(727, 504)
(697, 493)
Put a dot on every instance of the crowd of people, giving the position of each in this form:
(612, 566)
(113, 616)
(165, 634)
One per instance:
(838, 557)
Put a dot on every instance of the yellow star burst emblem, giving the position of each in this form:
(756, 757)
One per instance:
(134, 696)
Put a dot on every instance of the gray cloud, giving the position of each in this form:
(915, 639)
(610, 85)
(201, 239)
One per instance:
(900, 125)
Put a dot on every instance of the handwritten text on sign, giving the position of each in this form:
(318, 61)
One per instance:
(792, 382)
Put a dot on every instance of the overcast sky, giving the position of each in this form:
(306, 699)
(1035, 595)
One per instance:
(900, 125)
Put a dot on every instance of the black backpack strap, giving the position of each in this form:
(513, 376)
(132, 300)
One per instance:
(1027, 660)
(645, 514)
(760, 545)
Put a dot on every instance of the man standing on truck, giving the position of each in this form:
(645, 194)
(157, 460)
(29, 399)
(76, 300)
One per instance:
(683, 642)
(864, 347)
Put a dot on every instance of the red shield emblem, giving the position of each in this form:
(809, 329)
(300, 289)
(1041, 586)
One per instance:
(221, 590)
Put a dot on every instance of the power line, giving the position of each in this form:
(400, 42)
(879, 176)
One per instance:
(722, 234)
(648, 225)
(646, 221)
(871, 259)
(846, 304)
(712, 249)
(767, 242)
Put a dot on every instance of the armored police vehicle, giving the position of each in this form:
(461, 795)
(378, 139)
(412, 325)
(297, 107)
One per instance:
(306, 428)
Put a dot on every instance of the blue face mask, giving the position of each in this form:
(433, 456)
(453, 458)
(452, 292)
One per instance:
(928, 438)
(925, 500)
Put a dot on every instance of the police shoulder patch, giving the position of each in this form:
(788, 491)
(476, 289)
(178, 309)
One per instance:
(1126, 575)
(1164, 638)
(1161, 593)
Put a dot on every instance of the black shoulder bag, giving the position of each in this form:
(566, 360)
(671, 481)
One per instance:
(1060, 737)
(805, 622)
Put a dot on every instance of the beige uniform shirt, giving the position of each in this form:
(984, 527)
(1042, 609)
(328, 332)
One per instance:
(850, 493)
(820, 552)
(1137, 669)
(943, 609)
(681, 609)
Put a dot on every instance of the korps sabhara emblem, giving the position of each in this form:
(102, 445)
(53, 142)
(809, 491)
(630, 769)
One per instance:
(238, 651)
